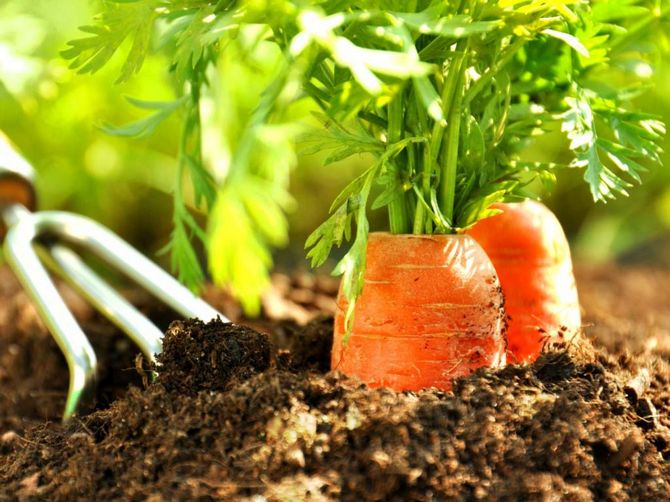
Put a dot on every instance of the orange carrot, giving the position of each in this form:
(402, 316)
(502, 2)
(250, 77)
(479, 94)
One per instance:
(531, 255)
(431, 310)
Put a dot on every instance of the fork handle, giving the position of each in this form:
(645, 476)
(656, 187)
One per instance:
(16, 180)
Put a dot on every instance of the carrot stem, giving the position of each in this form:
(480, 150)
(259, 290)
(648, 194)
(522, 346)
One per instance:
(453, 92)
(423, 160)
(397, 210)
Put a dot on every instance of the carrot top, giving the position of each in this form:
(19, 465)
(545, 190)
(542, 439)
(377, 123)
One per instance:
(445, 96)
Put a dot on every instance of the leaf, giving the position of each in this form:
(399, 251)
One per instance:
(237, 254)
(437, 51)
(392, 185)
(120, 21)
(429, 22)
(352, 266)
(354, 187)
(330, 233)
(204, 186)
(642, 135)
(146, 126)
(569, 39)
(429, 97)
(363, 62)
(340, 142)
(347, 100)
(183, 258)
(502, 72)
(196, 34)
(348, 203)
(479, 206)
(473, 145)
(623, 158)
(603, 182)
(579, 123)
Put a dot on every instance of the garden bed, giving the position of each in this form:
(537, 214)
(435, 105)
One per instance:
(243, 414)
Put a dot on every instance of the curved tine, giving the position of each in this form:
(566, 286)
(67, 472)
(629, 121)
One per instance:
(105, 299)
(122, 256)
(52, 309)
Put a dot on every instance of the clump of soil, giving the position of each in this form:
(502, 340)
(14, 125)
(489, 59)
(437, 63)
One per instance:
(198, 356)
(271, 421)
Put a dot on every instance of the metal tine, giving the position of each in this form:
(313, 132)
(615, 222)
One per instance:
(24, 237)
(121, 256)
(25, 230)
(32, 275)
(105, 299)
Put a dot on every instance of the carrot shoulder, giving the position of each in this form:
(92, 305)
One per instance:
(530, 252)
(431, 310)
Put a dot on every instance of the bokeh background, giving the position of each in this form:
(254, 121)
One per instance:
(55, 115)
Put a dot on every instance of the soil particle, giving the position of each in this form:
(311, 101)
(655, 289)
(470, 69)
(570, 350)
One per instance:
(236, 415)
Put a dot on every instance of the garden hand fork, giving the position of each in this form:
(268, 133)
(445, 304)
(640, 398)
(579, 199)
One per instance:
(33, 237)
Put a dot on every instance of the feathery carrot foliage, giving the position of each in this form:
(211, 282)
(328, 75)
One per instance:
(446, 96)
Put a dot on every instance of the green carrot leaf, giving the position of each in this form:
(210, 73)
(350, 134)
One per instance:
(637, 136)
(146, 126)
(447, 99)
(431, 22)
(120, 21)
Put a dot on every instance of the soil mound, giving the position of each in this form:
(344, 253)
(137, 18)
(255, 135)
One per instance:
(198, 356)
(237, 415)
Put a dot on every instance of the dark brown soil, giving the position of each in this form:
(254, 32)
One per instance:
(236, 415)
(210, 357)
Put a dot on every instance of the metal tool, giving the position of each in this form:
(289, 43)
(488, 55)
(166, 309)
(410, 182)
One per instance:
(31, 238)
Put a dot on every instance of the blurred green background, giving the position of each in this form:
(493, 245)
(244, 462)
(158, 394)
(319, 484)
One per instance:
(54, 116)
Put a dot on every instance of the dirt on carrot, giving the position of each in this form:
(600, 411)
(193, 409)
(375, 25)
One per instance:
(579, 424)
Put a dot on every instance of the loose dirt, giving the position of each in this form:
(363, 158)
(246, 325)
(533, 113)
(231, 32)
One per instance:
(241, 415)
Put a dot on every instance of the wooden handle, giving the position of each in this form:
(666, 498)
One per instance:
(16, 180)
(16, 177)
(15, 190)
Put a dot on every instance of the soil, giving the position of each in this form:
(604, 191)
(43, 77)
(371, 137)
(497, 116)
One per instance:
(254, 414)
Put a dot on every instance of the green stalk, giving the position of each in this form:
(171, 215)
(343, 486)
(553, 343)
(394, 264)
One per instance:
(186, 132)
(190, 136)
(428, 170)
(430, 166)
(450, 149)
(448, 90)
(397, 209)
(423, 160)
(408, 195)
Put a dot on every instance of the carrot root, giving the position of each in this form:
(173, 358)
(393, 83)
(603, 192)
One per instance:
(530, 252)
(431, 310)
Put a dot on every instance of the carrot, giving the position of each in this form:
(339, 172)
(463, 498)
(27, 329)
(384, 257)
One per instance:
(532, 257)
(431, 310)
